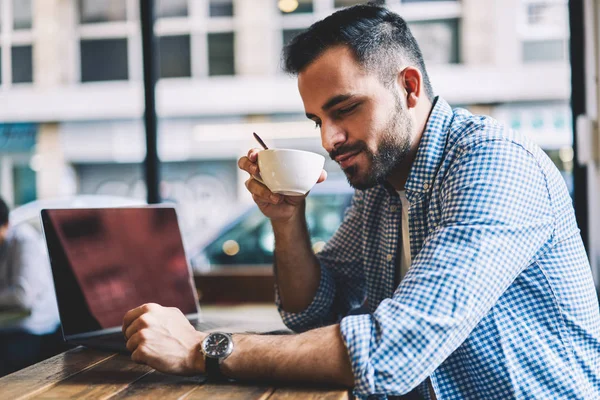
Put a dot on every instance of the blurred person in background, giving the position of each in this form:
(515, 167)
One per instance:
(26, 289)
(458, 271)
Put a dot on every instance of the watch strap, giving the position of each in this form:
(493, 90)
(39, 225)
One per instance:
(213, 369)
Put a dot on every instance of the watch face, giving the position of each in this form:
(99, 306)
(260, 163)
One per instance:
(217, 345)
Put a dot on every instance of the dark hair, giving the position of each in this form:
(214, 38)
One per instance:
(3, 213)
(380, 40)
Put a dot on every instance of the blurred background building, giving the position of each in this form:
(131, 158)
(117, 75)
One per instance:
(71, 92)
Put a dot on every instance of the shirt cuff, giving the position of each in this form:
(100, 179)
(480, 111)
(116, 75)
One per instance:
(317, 313)
(357, 331)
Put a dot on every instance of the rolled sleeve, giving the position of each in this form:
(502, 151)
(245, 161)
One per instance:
(318, 313)
(357, 331)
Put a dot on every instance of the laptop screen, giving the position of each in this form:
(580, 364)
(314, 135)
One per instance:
(106, 261)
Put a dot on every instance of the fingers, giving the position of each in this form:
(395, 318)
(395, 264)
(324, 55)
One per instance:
(134, 314)
(140, 323)
(136, 340)
(139, 356)
(261, 194)
(248, 163)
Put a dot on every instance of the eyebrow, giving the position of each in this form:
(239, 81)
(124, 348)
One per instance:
(330, 103)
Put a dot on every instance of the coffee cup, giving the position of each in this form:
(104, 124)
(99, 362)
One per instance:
(289, 172)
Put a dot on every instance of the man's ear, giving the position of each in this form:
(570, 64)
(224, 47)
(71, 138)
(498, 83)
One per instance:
(411, 80)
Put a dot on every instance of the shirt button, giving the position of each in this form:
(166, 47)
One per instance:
(426, 186)
(393, 208)
(390, 257)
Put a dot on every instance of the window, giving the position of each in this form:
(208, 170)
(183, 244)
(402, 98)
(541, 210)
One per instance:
(104, 60)
(347, 3)
(108, 34)
(438, 40)
(174, 56)
(544, 30)
(423, 1)
(171, 8)
(21, 14)
(545, 50)
(545, 13)
(220, 8)
(94, 11)
(295, 6)
(16, 60)
(221, 54)
(22, 66)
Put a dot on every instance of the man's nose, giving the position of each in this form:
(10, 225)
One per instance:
(332, 136)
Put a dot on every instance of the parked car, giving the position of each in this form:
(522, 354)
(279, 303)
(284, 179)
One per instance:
(30, 212)
(248, 240)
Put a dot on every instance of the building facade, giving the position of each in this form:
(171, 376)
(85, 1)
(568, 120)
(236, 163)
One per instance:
(71, 84)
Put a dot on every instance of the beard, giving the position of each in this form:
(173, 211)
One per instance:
(392, 149)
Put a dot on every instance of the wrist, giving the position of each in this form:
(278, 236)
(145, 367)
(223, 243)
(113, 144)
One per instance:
(198, 361)
(289, 224)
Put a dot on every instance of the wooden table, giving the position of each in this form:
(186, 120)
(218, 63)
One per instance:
(89, 374)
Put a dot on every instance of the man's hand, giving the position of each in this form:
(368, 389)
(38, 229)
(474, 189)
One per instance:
(163, 338)
(273, 206)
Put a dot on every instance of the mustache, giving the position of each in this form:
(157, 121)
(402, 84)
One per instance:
(347, 149)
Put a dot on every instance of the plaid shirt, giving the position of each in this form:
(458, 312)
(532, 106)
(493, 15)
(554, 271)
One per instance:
(499, 302)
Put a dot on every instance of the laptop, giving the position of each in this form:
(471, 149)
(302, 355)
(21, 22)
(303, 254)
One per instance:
(107, 261)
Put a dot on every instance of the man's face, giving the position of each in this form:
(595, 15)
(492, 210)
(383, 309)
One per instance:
(364, 125)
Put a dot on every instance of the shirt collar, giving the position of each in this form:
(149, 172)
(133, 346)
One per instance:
(431, 148)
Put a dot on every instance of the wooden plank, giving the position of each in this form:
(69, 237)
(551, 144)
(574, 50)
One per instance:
(99, 382)
(312, 393)
(47, 373)
(231, 391)
(161, 386)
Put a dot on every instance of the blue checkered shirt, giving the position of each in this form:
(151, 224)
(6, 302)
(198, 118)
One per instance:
(499, 302)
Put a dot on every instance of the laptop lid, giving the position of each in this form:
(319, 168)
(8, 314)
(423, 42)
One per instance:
(106, 261)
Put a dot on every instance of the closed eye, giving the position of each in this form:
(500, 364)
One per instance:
(347, 110)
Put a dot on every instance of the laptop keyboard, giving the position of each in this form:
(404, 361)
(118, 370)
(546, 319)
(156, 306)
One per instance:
(203, 326)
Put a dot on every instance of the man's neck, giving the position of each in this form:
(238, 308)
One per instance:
(399, 175)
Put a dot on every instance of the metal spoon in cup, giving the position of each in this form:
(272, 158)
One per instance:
(260, 141)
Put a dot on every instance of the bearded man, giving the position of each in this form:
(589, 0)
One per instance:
(460, 245)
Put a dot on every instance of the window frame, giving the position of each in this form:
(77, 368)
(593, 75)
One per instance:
(11, 37)
(411, 12)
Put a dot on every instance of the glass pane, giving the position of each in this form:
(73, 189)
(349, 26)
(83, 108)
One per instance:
(438, 40)
(104, 60)
(174, 56)
(347, 3)
(423, 1)
(220, 54)
(295, 6)
(543, 14)
(22, 14)
(289, 34)
(544, 50)
(1, 66)
(24, 180)
(22, 68)
(102, 11)
(171, 8)
(221, 8)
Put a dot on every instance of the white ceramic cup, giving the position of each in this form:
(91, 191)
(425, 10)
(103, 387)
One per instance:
(289, 172)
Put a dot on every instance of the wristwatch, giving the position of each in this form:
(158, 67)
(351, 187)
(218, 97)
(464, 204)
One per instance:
(216, 347)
